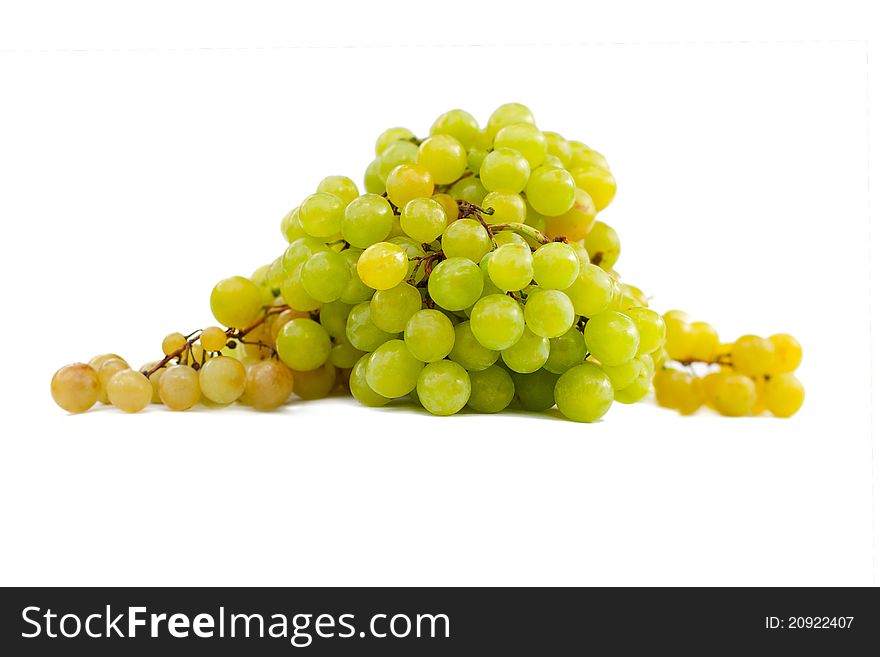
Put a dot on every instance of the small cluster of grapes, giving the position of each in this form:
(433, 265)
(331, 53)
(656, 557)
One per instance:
(746, 377)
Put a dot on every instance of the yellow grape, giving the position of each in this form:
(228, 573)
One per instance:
(787, 353)
(222, 379)
(179, 387)
(315, 384)
(75, 387)
(269, 384)
(173, 343)
(110, 367)
(129, 391)
(753, 355)
(784, 395)
(213, 338)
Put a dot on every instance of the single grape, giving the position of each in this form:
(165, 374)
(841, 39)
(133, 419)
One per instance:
(625, 374)
(753, 355)
(397, 154)
(173, 343)
(406, 182)
(391, 309)
(584, 156)
(468, 352)
(492, 390)
(475, 159)
(236, 302)
(344, 355)
(291, 228)
(679, 390)
(556, 266)
(497, 322)
(566, 351)
(651, 328)
(315, 384)
(179, 387)
(734, 395)
(576, 223)
(269, 384)
(360, 330)
(213, 338)
(333, 317)
(392, 135)
(678, 337)
(603, 245)
(129, 391)
(450, 207)
(429, 335)
(703, 342)
(549, 313)
(551, 191)
(222, 379)
(374, 181)
(299, 251)
(510, 267)
(260, 278)
(524, 138)
(597, 182)
(466, 238)
(321, 214)
(508, 208)
(529, 353)
(535, 391)
(787, 353)
(360, 389)
(443, 387)
(340, 186)
(383, 265)
(443, 157)
(392, 370)
(584, 393)
(783, 394)
(423, 219)
(325, 276)
(455, 283)
(108, 368)
(508, 114)
(592, 291)
(154, 380)
(505, 170)
(469, 189)
(459, 124)
(367, 220)
(294, 292)
(509, 237)
(356, 291)
(559, 147)
(637, 390)
(75, 387)
(303, 345)
(611, 337)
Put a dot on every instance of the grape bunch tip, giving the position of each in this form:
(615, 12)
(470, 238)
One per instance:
(472, 272)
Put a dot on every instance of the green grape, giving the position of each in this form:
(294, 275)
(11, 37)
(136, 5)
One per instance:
(391, 309)
(508, 208)
(535, 391)
(592, 291)
(505, 170)
(423, 219)
(383, 265)
(583, 156)
(333, 317)
(408, 181)
(551, 191)
(510, 267)
(360, 389)
(236, 302)
(303, 344)
(260, 278)
(321, 214)
(584, 393)
(475, 159)
(581, 253)
(509, 237)
(566, 351)
(553, 162)
(275, 275)
(636, 390)
(450, 207)
(529, 354)
(491, 390)
(374, 181)
(469, 189)
(497, 321)
(612, 338)
(360, 330)
(469, 353)
(623, 375)
(325, 276)
(466, 238)
(429, 335)
(597, 182)
(508, 114)
(556, 266)
(443, 387)
(459, 124)
(455, 283)
(392, 371)
(367, 220)
(344, 356)
(390, 136)
(400, 152)
(549, 313)
(339, 186)
(299, 251)
(291, 228)
(443, 157)
(651, 327)
(413, 250)
(574, 224)
(558, 146)
(294, 292)
(525, 138)
(356, 291)
(603, 245)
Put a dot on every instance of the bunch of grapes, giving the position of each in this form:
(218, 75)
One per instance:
(472, 273)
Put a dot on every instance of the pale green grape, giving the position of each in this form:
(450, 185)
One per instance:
(303, 344)
(475, 159)
(391, 309)
(367, 220)
(510, 267)
(566, 351)
(509, 237)
(360, 330)
(423, 219)
(325, 276)
(584, 393)
(623, 375)
(592, 291)
(505, 170)
(597, 182)
(603, 245)
(558, 146)
(413, 250)
(551, 191)
(636, 390)
(356, 291)
(392, 370)
(508, 114)
(583, 156)
(294, 292)
(444, 157)
(397, 153)
(508, 208)
(339, 186)
(469, 353)
(443, 387)
(535, 391)
(549, 313)
(390, 136)
(236, 302)
(651, 327)
(492, 390)
(260, 277)
(469, 189)
(466, 238)
(612, 338)
(360, 389)
(344, 356)
(408, 181)
(556, 266)
(429, 335)
(524, 138)
(529, 353)
(221, 379)
(291, 228)
(374, 181)
(383, 265)
(455, 283)
(321, 214)
(553, 162)
(458, 124)
(299, 251)
(497, 321)
(333, 318)
(574, 224)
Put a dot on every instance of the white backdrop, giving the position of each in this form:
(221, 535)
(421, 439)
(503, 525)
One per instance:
(133, 179)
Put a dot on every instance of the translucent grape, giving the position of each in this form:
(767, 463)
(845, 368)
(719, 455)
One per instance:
(75, 387)
(406, 182)
(429, 335)
(356, 291)
(344, 355)
(325, 276)
(584, 393)
(291, 228)
(392, 371)
(450, 207)
(390, 136)
(497, 321)
(529, 354)
(637, 390)
(360, 389)
(753, 355)
(321, 214)
(559, 147)
(551, 191)
(524, 138)
(505, 170)
(466, 238)
(443, 157)
(413, 250)
(566, 351)
(603, 245)
(592, 291)
(508, 208)
(129, 391)
(374, 181)
(443, 387)
(213, 338)
(340, 186)
(584, 156)
(333, 317)
(268, 385)
(222, 379)
(459, 124)
(299, 251)
(651, 328)
(468, 352)
(423, 219)
(360, 330)
(597, 182)
(556, 266)
(510, 267)
(315, 384)
(303, 345)
(508, 237)
(179, 387)
(391, 309)
(294, 292)
(576, 223)
(398, 153)
(383, 265)
(679, 390)
(173, 343)
(624, 374)
(236, 302)
(475, 159)
(492, 390)
(783, 394)
(469, 189)
(108, 368)
(508, 114)
(612, 338)
(367, 220)
(734, 395)
(549, 313)
(535, 391)
(455, 283)
(703, 342)
(787, 353)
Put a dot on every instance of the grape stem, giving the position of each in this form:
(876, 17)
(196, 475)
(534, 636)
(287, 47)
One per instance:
(468, 209)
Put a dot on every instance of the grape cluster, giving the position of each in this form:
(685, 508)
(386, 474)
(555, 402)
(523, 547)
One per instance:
(473, 272)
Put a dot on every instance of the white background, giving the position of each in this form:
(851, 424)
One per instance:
(143, 156)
